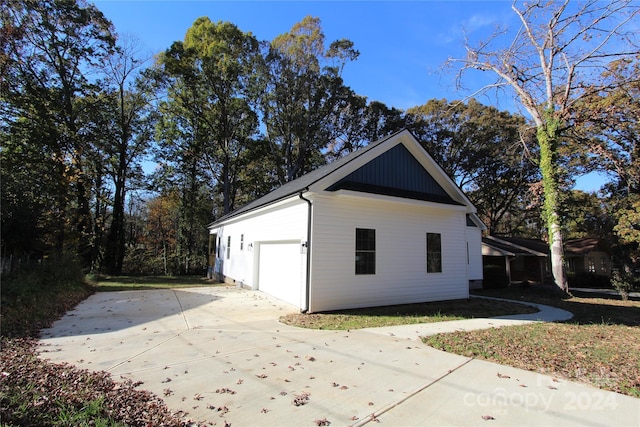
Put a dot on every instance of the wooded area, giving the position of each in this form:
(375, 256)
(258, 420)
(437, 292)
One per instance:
(225, 118)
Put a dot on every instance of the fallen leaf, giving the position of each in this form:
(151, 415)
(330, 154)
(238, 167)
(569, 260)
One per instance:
(301, 399)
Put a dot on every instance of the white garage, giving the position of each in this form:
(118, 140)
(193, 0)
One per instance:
(280, 270)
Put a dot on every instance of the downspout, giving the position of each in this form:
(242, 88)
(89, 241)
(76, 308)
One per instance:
(308, 275)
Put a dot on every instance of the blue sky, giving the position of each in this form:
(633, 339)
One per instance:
(402, 44)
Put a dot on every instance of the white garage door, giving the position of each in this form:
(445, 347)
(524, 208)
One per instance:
(280, 272)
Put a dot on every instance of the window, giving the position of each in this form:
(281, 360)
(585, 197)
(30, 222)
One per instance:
(241, 241)
(604, 266)
(434, 253)
(591, 265)
(228, 247)
(365, 251)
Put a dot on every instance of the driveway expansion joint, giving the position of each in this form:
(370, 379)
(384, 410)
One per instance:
(374, 415)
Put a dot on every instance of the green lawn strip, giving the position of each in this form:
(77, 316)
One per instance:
(605, 356)
(406, 314)
(103, 283)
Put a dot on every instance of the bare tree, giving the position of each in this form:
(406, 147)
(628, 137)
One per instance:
(554, 60)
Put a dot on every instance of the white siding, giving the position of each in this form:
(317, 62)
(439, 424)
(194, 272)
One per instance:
(284, 222)
(401, 272)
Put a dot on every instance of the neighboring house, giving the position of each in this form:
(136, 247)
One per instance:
(517, 260)
(527, 260)
(588, 255)
(382, 226)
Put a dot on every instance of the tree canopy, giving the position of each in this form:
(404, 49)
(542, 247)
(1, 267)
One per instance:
(123, 162)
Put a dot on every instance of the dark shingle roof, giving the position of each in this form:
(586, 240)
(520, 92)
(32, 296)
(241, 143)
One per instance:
(518, 245)
(584, 246)
(302, 183)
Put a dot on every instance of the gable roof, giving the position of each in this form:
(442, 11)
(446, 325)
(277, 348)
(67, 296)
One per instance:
(395, 173)
(365, 179)
(513, 246)
(584, 246)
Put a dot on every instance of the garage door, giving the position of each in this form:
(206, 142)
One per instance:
(280, 272)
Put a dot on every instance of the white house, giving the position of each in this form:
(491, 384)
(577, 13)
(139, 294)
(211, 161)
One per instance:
(382, 226)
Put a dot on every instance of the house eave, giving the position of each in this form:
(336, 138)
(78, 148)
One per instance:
(392, 199)
(257, 210)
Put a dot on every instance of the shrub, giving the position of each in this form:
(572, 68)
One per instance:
(623, 282)
(33, 298)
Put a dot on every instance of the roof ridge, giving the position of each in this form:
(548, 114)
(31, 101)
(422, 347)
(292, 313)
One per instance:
(292, 187)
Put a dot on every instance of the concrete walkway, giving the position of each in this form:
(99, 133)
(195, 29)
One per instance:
(546, 314)
(220, 355)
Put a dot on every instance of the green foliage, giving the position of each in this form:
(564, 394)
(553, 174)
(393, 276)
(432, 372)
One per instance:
(485, 151)
(623, 282)
(628, 226)
(585, 215)
(48, 95)
(34, 297)
(304, 97)
(547, 136)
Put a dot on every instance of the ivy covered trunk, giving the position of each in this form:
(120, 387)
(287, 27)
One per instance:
(547, 136)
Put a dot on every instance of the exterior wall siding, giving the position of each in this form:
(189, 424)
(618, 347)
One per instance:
(401, 273)
(286, 222)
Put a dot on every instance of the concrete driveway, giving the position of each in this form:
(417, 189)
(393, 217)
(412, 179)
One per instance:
(220, 355)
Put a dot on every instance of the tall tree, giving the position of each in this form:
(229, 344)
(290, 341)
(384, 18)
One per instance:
(483, 150)
(609, 124)
(361, 122)
(208, 123)
(50, 49)
(304, 96)
(554, 57)
(128, 120)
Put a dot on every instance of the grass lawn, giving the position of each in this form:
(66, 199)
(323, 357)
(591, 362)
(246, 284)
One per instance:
(600, 346)
(407, 314)
(103, 283)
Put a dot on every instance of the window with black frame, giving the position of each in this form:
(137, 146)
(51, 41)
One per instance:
(365, 251)
(434, 253)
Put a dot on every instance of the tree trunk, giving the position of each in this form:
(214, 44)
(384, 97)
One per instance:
(547, 136)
